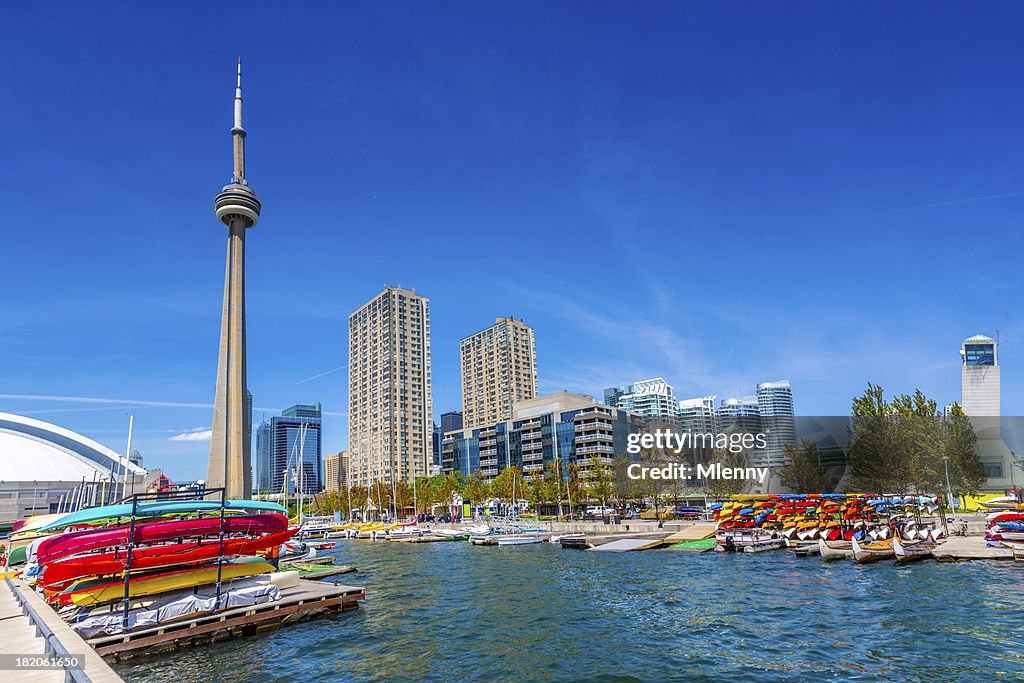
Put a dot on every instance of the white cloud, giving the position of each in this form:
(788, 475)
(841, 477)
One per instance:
(199, 434)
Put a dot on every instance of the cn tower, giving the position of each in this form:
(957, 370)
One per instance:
(238, 208)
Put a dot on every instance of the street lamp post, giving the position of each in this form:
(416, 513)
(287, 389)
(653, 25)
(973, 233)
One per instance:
(949, 489)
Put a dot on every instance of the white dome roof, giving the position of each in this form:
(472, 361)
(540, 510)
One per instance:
(32, 450)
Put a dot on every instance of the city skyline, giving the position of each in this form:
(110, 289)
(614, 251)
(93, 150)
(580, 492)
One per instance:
(678, 137)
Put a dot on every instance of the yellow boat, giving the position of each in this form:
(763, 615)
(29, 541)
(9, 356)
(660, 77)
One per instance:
(97, 591)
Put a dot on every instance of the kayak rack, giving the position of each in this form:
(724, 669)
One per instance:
(137, 498)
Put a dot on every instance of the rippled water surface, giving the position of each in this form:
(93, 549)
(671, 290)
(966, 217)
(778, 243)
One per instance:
(455, 612)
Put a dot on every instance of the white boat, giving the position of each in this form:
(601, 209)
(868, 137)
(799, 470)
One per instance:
(834, 550)
(735, 540)
(1000, 503)
(405, 532)
(763, 545)
(515, 539)
(476, 529)
(450, 534)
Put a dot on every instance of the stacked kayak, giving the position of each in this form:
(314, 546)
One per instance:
(805, 519)
(100, 555)
(1005, 528)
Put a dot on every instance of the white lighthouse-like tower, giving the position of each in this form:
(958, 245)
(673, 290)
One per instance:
(238, 208)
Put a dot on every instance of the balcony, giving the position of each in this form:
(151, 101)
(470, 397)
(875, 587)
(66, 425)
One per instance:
(598, 448)
(593, 437)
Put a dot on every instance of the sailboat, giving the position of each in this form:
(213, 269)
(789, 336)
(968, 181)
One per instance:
(517, 537)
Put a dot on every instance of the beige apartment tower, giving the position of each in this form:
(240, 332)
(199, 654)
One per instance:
(499, 368)
(336, 471)
(390, 413)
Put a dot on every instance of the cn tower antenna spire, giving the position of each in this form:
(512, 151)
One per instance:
(238, 133)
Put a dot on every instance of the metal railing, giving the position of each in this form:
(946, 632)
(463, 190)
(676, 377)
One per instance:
(52, 646)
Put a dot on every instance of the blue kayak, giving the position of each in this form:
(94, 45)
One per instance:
(157, 508)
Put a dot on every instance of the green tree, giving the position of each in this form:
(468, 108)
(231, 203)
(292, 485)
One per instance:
(599, 480)
(509, 486)
(966, 475)
(448, 487)
(403, 497)
(478, 489)
(575, 490)
(805, 473)
(623, 487)
(359, 495)
(556, 486)
(380, 496)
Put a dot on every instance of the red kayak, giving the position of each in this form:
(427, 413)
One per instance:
(58, 575)
(62, 545)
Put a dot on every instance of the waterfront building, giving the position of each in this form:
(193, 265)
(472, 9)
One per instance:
(336, 471)
(288, 451)
(979, 384)
(451, 421)
(499, 368)
(653, 399)
(389, 388)
(46, 469)
(698, 415)
(563, 425)
(778, 421)
(980, 401)
(238, 208)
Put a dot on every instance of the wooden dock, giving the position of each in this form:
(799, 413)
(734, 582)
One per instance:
(961, 548)
(309, 600)
(694, 532)
(31, 628)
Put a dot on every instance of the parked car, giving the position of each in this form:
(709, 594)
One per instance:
(596, 511)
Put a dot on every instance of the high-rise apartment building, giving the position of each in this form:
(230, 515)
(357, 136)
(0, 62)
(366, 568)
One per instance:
(451, 421)
(698, 415)
(778, 418)
(740, 412)
(336, 471)
(653, 399)
(499, 368)
(288, 449)
(389, 388)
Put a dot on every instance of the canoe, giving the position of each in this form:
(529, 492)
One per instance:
(157, 508)
(75, 542)
(97, 591)
(911, 551)
(58, 575)
(872, 552)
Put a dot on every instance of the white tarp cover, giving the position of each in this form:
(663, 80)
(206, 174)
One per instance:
(176, 608)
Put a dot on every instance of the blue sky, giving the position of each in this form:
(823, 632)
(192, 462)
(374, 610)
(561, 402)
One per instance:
(716, 193)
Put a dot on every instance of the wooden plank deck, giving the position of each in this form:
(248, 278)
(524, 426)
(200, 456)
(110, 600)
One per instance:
(959, 548)
(694, 532)
(310, 599)
(18, 637)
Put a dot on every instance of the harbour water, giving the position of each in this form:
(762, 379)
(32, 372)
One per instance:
(455, 612)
